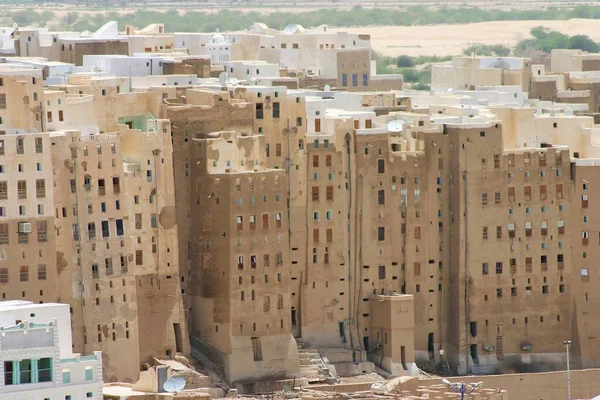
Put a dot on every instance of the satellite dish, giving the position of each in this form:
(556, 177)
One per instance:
(175, 384)
(15, 26)
(234, 81)
(395, 125)
(223, 77)
(290, 29)
(449, 90)
(327, 88)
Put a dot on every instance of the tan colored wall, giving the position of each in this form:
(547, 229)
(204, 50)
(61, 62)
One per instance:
(197, 119)
(105, 300)
(507, 321)
(541, 386)
(351, 62)
(392, 332)
(196, 66)
(33, 251)
(104, 313)
(73, 51)
(590, 65)
(585, 255)
(543, 90)
(111, 99)
(24, 97)
(248, 299)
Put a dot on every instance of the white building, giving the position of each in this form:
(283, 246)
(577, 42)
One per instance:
(219, 49)
(36, 362)
(250, 71)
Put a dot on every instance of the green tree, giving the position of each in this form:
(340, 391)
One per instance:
(21, 18)
(405, 61)
(584, 43)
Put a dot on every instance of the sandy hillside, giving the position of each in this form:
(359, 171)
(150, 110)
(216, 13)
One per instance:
(452, 39)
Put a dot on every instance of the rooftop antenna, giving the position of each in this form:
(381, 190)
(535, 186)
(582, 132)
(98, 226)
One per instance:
(395, 125)
(290, 29)
(174, 384)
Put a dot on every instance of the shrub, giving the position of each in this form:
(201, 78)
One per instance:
(405, 61)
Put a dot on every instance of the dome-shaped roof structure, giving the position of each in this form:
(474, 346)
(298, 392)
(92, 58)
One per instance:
(218, 39)
(292, 29)
(258, 27)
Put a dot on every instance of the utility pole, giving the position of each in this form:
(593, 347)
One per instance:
(567, 344)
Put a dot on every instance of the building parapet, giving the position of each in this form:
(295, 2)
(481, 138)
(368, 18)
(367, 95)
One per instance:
(77, 358)
(587, 162)
(27, 335)
(571, 94)
(372, 131)
(79, 99)
(99, 137)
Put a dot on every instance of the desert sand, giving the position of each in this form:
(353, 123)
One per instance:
(452, 39)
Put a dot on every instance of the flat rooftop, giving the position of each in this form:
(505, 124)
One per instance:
(22, 304)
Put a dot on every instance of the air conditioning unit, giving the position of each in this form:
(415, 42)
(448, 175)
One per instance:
(24, 227)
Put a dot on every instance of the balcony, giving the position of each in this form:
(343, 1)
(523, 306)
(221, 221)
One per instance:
(92, 235)
(101, 190)
(22, 193)
(116, 189)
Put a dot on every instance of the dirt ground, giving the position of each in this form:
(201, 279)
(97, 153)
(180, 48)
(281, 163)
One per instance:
(452, 39)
